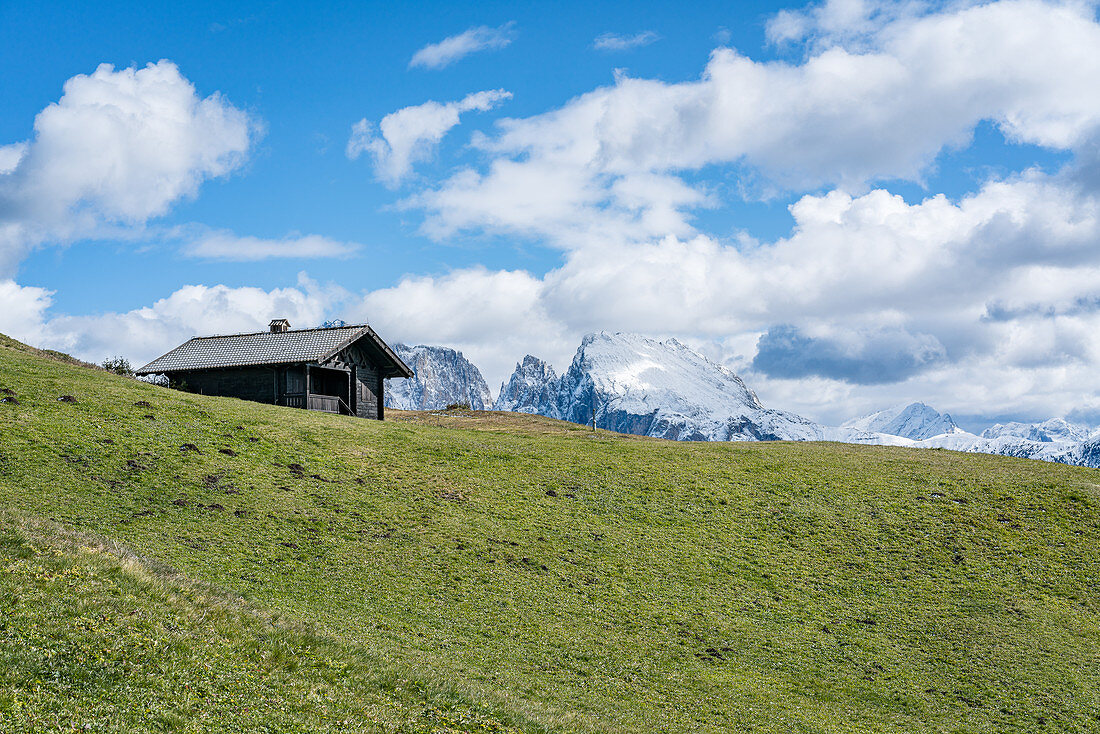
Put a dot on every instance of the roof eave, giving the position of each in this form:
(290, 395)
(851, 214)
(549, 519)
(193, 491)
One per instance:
(282, 363)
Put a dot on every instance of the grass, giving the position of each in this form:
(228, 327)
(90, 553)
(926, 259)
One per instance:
(528, 573)
(96, 638)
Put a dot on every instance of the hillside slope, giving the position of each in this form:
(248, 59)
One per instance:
(585, 581)
(96, 638)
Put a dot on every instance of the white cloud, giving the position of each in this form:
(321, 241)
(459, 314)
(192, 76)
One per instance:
(981, 303)
(411, 134)
(22, 309)
(493, 317)
(10, 155)
(994, 318)
(616, 42)
(984, 303)
(453, 48)
(878, 289)
(118, 148)
(225, 245)
(144, 333)
(910, 88)
(840, 21)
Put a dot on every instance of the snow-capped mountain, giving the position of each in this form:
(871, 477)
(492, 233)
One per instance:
(1054, 440)
(915, 421)
(1055, 429)
(441, 377)
(1081, 453)
(533, 386)
(633, 384)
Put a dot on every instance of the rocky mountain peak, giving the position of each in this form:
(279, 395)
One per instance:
(533, 386)
(442, 376)
(915, 421)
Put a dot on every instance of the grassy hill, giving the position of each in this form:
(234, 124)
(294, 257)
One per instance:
(179, 561)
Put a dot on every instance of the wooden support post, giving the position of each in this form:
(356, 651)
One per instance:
(381, 396)
(306, 406)
(353, 395)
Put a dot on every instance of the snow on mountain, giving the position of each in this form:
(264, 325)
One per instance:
(532, 386)
(1081, 453)
(915, 421)
(1055, 429)
(633, 384)
(441, 377)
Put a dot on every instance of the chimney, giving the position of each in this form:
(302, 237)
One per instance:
(279, 325)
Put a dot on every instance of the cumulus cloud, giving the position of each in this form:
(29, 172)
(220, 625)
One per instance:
(839, 21)
(411, 134)
(453, 48)
(462, 309)
(118, 148)
(144, 333)
(870, 299)
(617, 42)
(984, 302)
(22, 308)
(881, 356)
(225, 245)
(10, 155)
(884, 108)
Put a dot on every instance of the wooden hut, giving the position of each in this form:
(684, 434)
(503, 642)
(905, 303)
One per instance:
(336, 370)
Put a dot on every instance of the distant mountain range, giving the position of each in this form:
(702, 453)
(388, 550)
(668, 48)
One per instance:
(441, 377)
(915, 421)
(633, 384)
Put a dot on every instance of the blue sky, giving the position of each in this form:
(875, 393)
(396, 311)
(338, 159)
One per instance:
(309, 71)
(834, 200)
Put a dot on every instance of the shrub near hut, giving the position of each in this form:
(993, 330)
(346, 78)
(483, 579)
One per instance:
(119, 366)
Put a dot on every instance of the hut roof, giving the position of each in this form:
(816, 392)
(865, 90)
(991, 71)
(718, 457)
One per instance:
(274, 347)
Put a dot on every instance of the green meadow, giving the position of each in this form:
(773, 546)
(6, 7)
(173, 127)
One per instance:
(174, 562)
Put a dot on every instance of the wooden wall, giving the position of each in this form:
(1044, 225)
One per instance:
(258, 384)
(368, 397)
(269, 384)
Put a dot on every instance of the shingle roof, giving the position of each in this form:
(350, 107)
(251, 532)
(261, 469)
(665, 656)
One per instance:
(267, 347)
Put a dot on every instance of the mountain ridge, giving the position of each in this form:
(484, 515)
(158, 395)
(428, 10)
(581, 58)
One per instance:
(634, 384)
(441, 376)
